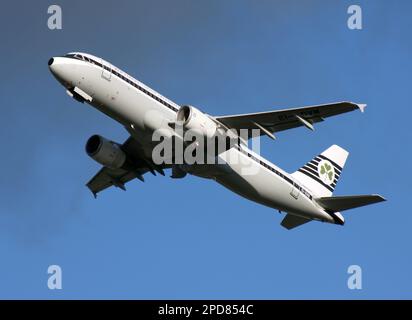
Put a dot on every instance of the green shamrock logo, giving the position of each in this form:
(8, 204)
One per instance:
(326, 172)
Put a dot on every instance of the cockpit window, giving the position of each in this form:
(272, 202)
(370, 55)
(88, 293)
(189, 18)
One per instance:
(87, 59)
(75, 55)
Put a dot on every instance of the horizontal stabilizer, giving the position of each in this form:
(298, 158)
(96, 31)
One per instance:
(291, 221)
(348, 202)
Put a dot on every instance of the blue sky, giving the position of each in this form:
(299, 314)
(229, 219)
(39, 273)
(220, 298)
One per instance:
(191, 238)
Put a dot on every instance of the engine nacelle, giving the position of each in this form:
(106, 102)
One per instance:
(105, 152)
(196, 121)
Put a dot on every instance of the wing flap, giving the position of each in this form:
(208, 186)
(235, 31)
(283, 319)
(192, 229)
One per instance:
(107, 177)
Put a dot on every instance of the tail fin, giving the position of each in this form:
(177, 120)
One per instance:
(322, 173)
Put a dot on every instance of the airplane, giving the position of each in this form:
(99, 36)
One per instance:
(304, 195)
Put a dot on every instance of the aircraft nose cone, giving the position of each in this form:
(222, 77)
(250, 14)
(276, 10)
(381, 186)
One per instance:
(58, 68)
(53, 64)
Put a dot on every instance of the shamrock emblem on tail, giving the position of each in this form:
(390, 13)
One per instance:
(326, 172)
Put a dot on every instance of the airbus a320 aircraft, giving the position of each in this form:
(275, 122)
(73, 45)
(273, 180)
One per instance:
(304, 195)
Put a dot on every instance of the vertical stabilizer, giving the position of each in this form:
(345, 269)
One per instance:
(322, 173)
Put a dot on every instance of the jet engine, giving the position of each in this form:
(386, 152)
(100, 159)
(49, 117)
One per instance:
(105, 152)
(196, 121)
(216, 137)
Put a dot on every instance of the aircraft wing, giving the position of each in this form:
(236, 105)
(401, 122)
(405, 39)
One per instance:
(107, 177)
(279, 120)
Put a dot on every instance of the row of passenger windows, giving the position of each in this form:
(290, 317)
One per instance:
(124, 78)
(280, 174)
(145, 91)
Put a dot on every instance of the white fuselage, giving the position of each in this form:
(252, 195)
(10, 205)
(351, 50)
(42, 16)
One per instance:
(142, 111)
